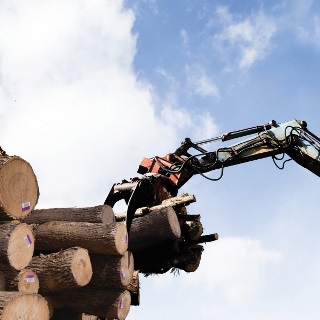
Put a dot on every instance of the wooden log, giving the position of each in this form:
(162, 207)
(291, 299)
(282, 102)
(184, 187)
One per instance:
(157, 226)
(24, 306)
(207, 238)
(98, 214)
(64, 270)
(113, 303)
(16, 245)
(25, 280)
(177, 203)
(19, 190)
(111, 239)
(112, 271)
(134, 289)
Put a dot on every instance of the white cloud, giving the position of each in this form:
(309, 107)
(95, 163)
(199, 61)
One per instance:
(200, 83)
(246, 41)
(185, 37)
(71, 103)
(234, 269)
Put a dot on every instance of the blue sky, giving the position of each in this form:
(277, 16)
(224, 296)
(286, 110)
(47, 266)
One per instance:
(89, 88)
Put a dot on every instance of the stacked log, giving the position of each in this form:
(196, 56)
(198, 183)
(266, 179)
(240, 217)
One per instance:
(98, 214)
(16, 246)
(97, 238)
(113, 303)
(19, 190)
(112, 271)
(16, 305)
(25, 280)
(63, 270)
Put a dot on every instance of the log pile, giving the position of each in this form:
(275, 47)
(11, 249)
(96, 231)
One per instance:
(80, 263)
(165, 237)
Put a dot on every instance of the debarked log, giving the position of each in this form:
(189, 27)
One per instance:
(97, 238)
(64, 270)
(98, 214)
(24, 306)
(112, 271)
(156, 227)
(16, 245)
(25, 280)
(19, 190)
(111, 302)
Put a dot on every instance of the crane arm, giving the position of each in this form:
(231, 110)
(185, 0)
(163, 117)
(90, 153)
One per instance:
(163, 176)
(292, 138)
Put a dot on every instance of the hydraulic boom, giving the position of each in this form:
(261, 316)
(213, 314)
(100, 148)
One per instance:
(163, 176)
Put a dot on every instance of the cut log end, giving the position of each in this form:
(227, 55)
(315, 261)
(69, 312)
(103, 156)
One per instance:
(20, 246)
(174, 222)
(126, 268)
(107, 215)
(19, 190)
(121, 238)
(81, 267)
(24, 306)
(27, 281)
(121, 307)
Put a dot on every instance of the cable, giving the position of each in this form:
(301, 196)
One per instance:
(283, 164)
(212, 179)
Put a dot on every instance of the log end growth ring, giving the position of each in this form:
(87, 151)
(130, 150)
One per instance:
(26, 306)
(126, 268)
(19, 190)
(121, 238)
(81, 267)
(20, 246)
(28, 281)
(122, 308)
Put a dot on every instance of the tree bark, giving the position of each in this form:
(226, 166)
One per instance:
(155, 227)
(134, 289)
(113, 303)
(25, 280)
(95, 237)
(112, 271)
(99, 214)
(23, 306)
(2, 282)
(19, 190)
(16, 245)
(64, 270)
